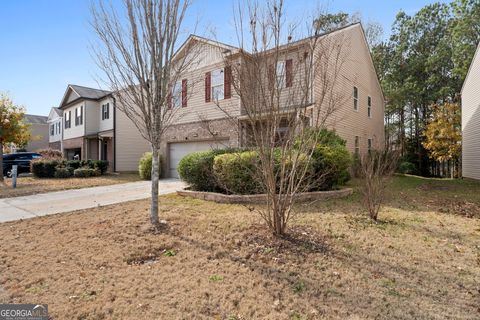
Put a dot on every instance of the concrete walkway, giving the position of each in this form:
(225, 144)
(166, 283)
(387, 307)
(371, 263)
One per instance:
(70, 200)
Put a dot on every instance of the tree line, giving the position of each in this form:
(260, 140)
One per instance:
(422, 67)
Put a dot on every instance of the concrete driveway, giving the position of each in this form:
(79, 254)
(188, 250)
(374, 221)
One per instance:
(70, 200)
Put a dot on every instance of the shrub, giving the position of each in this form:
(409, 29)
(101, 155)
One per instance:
(330, 165)
(197, 169)
(62, 173)
(327, 137)
(85, 172)
(407, 168)
(236, 172)
(145, 166)
(100, 165)
(74, 164)
(51, 153)
(44, 168)
(86, 163)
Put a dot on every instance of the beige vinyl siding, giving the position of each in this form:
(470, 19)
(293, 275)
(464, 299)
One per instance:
(91, 117)
(71, 96)
(129, 144)
(357, 71)
(209, 59)
(471, 121)
(106, 124)
(74, 131)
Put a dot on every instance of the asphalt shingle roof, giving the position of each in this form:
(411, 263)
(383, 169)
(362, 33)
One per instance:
(34, 119)
(89, 93)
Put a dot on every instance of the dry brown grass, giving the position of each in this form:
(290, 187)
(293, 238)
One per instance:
(30, 185)
(105, 263)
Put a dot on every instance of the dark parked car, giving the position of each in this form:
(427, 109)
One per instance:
(21, 159)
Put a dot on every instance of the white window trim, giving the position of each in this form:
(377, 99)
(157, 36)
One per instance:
(356, 99)
(281, 74)
(177, 94)
(105, 111)
(219, 84)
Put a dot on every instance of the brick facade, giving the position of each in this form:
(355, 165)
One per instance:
(57, 145)
(75, 143)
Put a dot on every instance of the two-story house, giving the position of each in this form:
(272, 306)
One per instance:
(94, 129)
(201, 119)
(55, 129)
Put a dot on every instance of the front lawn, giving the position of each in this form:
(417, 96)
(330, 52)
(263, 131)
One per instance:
(31, 185)
(422, 261)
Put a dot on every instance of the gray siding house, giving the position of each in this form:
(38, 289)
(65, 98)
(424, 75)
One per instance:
(38, 131)
(471, 120)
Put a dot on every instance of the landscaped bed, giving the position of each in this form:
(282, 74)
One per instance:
(31, 185)
(422, 261)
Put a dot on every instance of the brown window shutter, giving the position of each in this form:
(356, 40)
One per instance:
(288, 73)
(227, 82)
(208, 86)
(169, 97)
(184, 92)
(271, 77)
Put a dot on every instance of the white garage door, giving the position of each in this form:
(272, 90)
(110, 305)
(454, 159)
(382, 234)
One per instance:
(179, 150)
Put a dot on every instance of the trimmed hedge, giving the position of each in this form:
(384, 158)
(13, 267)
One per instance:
(145, 166)
(42, 168)
(100, 165)
(330, 165)
(62, 173)
(233, 171)
(197, 170)
(236, 172)
(85, 172)
(47, 168)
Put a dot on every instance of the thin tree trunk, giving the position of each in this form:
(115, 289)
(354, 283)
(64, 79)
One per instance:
(1, 161)
(155, 177)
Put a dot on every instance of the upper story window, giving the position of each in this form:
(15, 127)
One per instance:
(79, 116)
(355, 98)
(105, 111)
(369, 107)
(357, 145)
(68, 119)
(177, 94)
(280, 72)
(52, 129)
(218, 80)
(58, 127)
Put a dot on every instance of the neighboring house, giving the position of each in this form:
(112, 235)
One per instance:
(94, 129)
(55, 129)
(471, 120)
(201, 124)
(38, 132)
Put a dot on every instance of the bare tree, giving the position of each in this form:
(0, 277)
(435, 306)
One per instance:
(273, 76)
(376, 170)
(136, 52)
